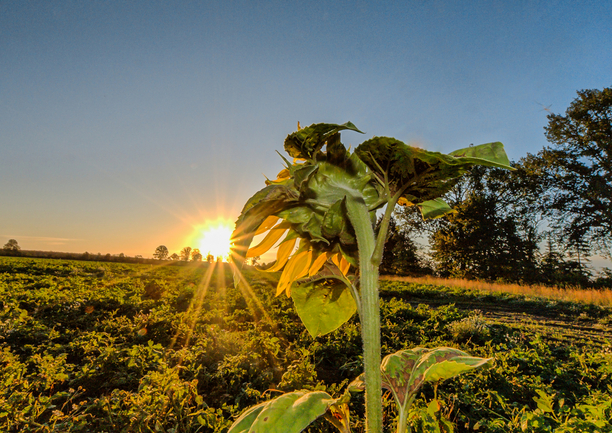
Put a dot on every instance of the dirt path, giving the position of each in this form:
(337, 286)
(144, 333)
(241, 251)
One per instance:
(578, 329)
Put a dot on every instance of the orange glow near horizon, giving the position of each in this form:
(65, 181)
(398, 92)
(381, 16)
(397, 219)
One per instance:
(213, 237)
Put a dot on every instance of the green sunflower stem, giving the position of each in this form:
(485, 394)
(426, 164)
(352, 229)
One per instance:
(370, 312)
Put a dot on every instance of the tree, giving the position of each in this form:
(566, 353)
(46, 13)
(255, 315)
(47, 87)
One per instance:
(196, 255)
(161, 252)
(492, 232)
(174, 257)
(185, 254)
(578, 170)
(400, 255)
(12, 247)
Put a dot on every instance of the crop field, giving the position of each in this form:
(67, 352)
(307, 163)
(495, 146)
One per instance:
(113, 347)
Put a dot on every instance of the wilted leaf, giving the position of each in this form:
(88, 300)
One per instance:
(306, 142)
(323, 305)
(424, 175)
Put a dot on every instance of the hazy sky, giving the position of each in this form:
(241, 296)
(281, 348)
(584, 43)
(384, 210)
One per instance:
(124, 125)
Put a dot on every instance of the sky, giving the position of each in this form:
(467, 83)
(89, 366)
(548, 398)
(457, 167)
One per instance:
(128, 125)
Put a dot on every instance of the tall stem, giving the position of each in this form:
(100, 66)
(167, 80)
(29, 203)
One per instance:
(370, 312)
(402, 425)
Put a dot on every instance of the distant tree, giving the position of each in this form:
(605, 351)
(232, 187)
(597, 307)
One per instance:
(196, 255)
(492, 233)
(161, 252)
(251, 261)
(12, 247)
(578, 171)
(185, 254)
(174, 257)
(400, 256)
(210, 258)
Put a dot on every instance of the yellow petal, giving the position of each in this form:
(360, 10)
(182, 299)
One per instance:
(283, 174)
(317, 264)
(282, 255)
(404, 202)
(336, 259)
(296, 268)
(269, 241)
(344, 266)
(266, 225)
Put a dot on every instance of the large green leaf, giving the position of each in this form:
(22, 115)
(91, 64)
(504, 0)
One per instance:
(423, 175)
(405, 371)
(289, 413)
(323, 305)
(489, 154)
(439, 364)
(435, 208)
(245, 421)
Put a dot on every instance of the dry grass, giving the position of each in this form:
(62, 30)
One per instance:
(596, 297)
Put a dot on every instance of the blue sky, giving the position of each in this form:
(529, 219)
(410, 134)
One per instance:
(124, 125)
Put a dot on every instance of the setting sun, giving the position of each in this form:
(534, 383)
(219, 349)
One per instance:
(214, 239)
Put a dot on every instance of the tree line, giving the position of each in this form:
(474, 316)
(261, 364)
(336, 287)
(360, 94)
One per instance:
(185, 255)
(537, 224)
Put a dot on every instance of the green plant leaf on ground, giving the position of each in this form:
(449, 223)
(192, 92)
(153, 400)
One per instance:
(323, 305)
(245, 421)
(289, 413)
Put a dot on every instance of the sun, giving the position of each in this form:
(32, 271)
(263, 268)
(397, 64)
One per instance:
(214, 239)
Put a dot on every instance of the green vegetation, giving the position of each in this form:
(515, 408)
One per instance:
(93, 347)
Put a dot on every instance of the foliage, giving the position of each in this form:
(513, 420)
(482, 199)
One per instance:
(196, 255)
(83, 350)
(492, 232)
(12, 247)
(161, 252)
(185, 254)
(578, 168)
(400, 256)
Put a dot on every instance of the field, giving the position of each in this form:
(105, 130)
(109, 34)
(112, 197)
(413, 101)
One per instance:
(112, 347)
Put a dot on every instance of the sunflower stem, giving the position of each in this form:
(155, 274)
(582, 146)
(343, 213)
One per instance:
(370, 312)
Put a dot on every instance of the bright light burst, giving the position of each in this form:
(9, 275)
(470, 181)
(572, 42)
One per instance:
(214, 239)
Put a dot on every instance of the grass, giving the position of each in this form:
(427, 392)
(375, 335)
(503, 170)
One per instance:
(584, 296)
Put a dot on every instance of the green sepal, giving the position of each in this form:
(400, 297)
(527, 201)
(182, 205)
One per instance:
(323, 305)
(289, 413)
(267, 201)
(306, 142)
(336, 225)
